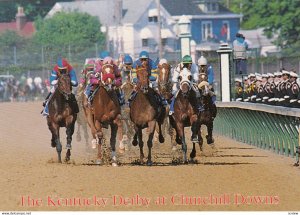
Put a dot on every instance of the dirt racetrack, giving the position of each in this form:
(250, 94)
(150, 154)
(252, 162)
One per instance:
(230, 176)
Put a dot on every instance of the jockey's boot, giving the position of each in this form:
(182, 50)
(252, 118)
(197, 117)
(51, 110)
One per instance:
(121, 97)
(46, 99)
(45, 112)
(90, 98)
(132, 96)
(172, 106)
(164, 102)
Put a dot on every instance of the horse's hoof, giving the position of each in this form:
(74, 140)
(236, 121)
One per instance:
(114, 164)
(186, 162)
(161, 139)
(149, 163)
(134, 142)
(67, 159)
(98, 162)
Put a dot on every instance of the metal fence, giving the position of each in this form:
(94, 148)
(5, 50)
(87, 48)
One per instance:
(271, 128)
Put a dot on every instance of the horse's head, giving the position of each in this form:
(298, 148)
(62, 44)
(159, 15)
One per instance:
(202, 73)
(64, 84)
(185, 78)
(204, 88)
(164, 70)
(107, 74)
(142, 75)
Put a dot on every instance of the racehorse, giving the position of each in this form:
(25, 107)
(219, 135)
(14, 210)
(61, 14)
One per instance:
(184, 113)
(207, 117)
(145, 111)
(165, 88)
(106, 111)
(62, 114)
(209, 113)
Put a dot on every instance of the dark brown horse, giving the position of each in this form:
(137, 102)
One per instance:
(165, 88)
(185, 113)
(106, 111)
(207, 117)
(145, 111)
(61, 114)
(209, 113)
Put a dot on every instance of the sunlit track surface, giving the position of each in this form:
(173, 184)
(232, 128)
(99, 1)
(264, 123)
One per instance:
(29, 168)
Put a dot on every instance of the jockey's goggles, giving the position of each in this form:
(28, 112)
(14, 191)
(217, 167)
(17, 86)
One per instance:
(90, 69)
(144, 59)
(186, 65)
(63, 71)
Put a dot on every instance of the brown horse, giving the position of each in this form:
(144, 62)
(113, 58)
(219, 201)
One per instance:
(210, 110)
(61, 114)
(184, 113)
(145, 111)
(106, 111)
(207, 116)
(165, 88)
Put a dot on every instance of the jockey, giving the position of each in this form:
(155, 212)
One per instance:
(118, 78)
(89, 77)
(61, 66)
(187, 62)
(152, 74)
(151, 67)
(127, 69)
(202, 62)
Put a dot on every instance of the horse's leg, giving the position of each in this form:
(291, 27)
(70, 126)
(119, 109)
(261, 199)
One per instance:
(193, 153)
(113, 137)
(69, 132)
(180, 134)
(55, 142)
(141, 144)
(161, 136)
(209, 136)
(99, 141)
(200, 139)
(151, 126)
(135, 141)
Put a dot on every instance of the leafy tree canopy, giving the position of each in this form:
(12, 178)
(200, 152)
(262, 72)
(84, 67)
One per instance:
(68, 28)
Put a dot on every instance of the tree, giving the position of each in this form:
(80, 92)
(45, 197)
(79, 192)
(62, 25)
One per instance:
(277, 17)
(63, 29)
(11, 39)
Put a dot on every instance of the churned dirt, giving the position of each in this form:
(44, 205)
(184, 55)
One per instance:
(228, 176)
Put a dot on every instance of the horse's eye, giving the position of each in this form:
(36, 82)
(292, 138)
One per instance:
(179, 78)
(190, 77)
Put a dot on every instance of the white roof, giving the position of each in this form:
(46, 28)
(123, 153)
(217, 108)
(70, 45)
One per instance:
(166, 33)
(146, 33)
